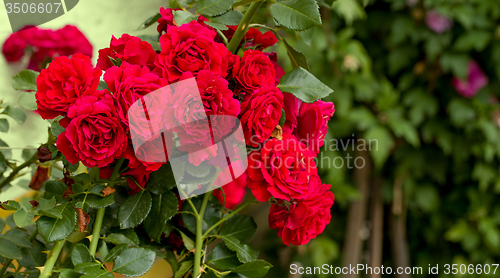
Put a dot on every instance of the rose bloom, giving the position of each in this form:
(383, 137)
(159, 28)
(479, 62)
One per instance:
(190, 48)
(254, 71)
(302, 220)
(128, 83)
(167, 19)
(63, 82)
(476, 80)
(234, 192)
(312, 123)
(283, 169)
(95, 135)
(277, 68)
(438, 22)
(216, 96)
(128, 49)
(260, 114)
(253, 38)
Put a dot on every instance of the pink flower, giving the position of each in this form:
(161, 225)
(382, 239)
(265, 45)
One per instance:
(476, 80)
(437, 22)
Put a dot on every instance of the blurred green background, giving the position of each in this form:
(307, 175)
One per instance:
(428, 191)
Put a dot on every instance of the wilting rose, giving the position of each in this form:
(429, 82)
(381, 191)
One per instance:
(438, 22)
(190, 48)
(302, 220)
(95, 135)
(63, 82)
(254, 71)
(283, 169)
(260, 114)
(128, 49)
(41, 175)
(476, 80)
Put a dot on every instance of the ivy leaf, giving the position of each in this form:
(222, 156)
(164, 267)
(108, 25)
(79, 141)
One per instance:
(242, 227)
(134, 262)
(244, 252)
(303, 85)
(183, 269)
(117, 250)
(4, 125)
(25, 80)
(80, 254)
(297, 15)
(27, 100)
(183, 17)
(213, 7)
(52, 229)
(9, 250)
(256, 268)
(15, 113)
(222, 258)
(296, 57)
(164, 207)
(150, 21)
(33, 256)
(134, 210)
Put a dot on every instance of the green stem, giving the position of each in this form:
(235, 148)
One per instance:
(16, 170)
(199, 237)
(96, 232)
(54, 253)
(240, 208)
(243, 26)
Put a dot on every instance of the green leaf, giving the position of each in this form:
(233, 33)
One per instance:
(19, 237)
(245, 253)
(296, 57)
(229, 18)
(34, 256)
(152, 40)
(242, 227)
(460, 112)
(55, 189)
(213, 7)
(217, 26)
(164, 207)
(103, 85)
(69, 273)
(52, 229)
(86, 268)
(95, 201)
(56, 128)
(350, 10)
(303, 85)
(27, 100)
(25, 80)
(473, 40)
(134, 210)
(183, 17)
(188, 242)
(80, 254)
(183, 269)
(222, 258)
(11, 205)
(256, 268)
(297, 15)
(9, 250)
(212, 216)
(162, 180)
(171, 259)
(379, 141)
(243, 3)
(150, 21)
(456, 63)
(134, 262)
(113, 253)
(118, 239)
(23, 217)
(2, 225)
(4, 125)
(174, 4)
(15, 113)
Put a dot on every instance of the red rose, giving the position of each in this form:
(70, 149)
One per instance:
(253, 71)
(283, 169)
(253, 38)
(215, 94)
(303, 220)
(130, 82)
(63, 82)
(14, 46)
(312, 123)
(149, 157)
(190, 48)
(234, 192)
(128, 49)
(292, 105)
(277, 68)
(167, 19)
(136, 179)
(95, 134)
(260, 114)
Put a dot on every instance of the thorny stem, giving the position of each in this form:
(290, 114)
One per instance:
(54, 253)
(199, 236)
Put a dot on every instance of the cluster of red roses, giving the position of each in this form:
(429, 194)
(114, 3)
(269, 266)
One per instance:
(43, 45)
(98, 130)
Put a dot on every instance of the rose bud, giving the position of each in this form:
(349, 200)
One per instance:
(44, 154)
